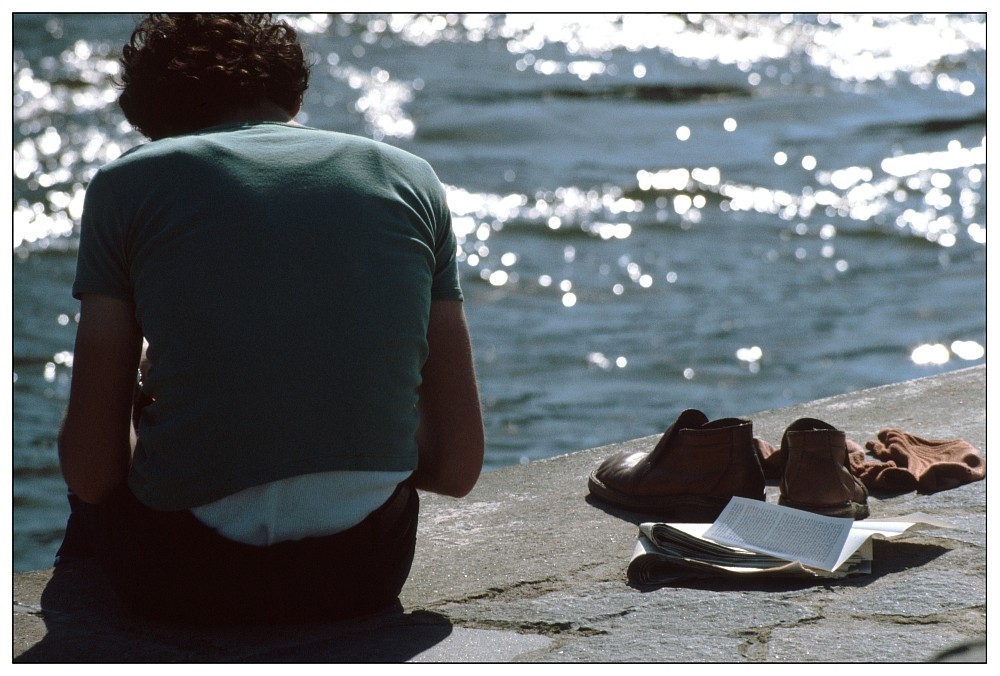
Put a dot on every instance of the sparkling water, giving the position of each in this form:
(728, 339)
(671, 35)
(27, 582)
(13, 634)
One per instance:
(731, 213)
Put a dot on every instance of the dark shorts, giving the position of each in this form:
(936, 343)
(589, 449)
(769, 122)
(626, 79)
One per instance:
(171, 566)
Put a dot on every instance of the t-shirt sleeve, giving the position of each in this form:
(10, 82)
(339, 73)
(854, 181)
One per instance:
(446, 283)
(102, 266)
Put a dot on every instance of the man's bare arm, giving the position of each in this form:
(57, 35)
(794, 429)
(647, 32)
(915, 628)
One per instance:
(450, 436)
(96, 439)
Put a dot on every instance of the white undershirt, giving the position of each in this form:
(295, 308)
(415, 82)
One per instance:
(310, 505)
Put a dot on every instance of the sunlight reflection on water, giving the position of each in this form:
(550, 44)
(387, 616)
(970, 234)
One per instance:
(652, 211)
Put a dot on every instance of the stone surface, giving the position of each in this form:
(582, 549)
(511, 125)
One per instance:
(527, 568)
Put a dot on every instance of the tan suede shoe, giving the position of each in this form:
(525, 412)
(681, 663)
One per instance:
(817, 477)
(689, 476)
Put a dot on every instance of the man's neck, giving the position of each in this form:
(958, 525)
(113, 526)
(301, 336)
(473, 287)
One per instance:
(264, 111)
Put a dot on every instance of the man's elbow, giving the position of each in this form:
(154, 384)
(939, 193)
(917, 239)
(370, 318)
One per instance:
(88, 482)
(450, 487)
(92, 494)
(87, 487)
(455, 479)
(459, 486)
(466, 480)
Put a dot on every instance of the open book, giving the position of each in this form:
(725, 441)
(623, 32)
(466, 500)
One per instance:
(754, 538)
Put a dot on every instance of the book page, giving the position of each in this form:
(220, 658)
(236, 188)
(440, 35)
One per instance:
(791, 534)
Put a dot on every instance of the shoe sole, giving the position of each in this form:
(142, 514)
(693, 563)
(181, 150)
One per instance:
(847, 510)
(676, 508)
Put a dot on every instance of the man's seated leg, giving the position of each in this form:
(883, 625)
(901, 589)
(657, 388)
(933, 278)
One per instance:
(171, 566)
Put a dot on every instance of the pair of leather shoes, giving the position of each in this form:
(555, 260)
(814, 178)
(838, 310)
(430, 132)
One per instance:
(698, 466)
(816, 476)
(689, 476)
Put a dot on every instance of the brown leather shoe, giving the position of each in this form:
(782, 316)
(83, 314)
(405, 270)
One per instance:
(817, 477)
(691, 474)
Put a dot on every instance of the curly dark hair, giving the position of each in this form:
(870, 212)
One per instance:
(183, 72)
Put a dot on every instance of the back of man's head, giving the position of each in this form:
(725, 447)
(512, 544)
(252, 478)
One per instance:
(184, 72)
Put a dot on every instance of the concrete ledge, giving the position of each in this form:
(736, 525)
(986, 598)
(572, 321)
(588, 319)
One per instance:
(527, 569)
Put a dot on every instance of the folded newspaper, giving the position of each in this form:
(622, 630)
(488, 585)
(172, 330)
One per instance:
(752, 538)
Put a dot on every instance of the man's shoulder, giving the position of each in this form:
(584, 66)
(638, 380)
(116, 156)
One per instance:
(388, 162)
(148, 152)
(381, 149)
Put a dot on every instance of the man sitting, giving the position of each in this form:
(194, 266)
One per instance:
(309, 364)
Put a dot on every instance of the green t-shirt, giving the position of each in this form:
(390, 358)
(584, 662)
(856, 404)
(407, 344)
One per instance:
(282, 276)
